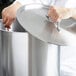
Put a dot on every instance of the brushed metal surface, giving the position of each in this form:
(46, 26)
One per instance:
(33, 18)
(25, 55)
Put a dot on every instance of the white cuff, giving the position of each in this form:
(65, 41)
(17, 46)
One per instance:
(24, 2)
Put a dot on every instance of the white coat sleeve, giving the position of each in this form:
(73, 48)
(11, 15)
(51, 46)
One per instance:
(66, 3)
(70, 4)
(24, 2)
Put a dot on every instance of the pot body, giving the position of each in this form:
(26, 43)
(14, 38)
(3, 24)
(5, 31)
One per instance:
(24, 55)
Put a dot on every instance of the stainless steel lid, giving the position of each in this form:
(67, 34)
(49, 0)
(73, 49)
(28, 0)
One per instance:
(33, 18)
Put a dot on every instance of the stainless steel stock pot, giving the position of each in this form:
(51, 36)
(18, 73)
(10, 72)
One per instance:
(22, 54)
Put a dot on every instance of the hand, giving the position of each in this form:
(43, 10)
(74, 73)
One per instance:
(9, 14)
(59, 13)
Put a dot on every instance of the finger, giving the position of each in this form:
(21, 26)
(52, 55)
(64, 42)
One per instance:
(54, 16)
(8, 23)
(5, 18)
(7, 29)
(51, 11)
(52, 7)
(4, 15)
